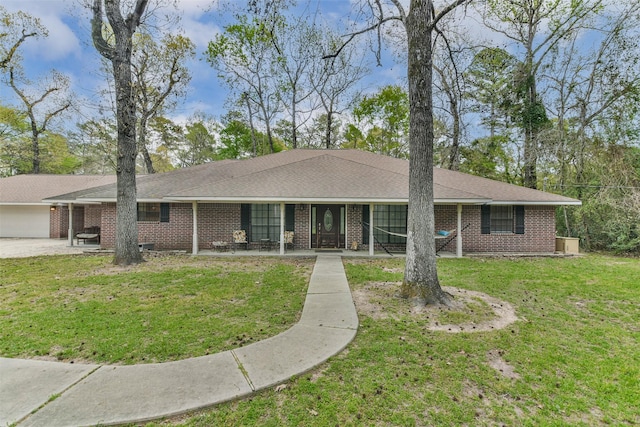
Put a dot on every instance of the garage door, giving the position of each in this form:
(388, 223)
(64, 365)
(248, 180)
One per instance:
(24, 221)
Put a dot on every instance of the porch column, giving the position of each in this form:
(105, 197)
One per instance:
(70, 232)
(459, 234)
(371, 241)
(194, 208)
(282, 225)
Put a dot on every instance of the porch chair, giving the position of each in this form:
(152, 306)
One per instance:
(288, 239)
(240, 238)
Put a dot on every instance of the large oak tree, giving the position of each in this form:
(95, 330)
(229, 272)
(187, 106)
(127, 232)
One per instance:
(420, 23)
(119, 51)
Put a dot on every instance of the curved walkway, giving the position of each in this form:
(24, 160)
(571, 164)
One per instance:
(52, 394)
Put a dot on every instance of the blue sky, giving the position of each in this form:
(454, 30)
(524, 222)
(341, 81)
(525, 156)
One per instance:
(68, 49)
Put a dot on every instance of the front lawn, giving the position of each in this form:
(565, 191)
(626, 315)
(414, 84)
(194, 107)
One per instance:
(572, 358)
(83, 309)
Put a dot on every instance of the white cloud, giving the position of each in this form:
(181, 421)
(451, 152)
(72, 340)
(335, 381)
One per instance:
(196, 8)
(200, 33)
(62, 41)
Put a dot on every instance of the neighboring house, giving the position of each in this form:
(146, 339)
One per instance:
(24, 214)
(327, 198)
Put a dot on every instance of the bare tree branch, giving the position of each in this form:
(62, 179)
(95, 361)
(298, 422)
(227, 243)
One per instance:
(5, 61)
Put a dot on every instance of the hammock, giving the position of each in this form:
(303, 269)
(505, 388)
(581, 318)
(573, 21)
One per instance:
(437, 236)
(389, 232)
(448, 237)
(374, 238)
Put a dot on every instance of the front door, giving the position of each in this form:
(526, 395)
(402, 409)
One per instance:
(328, 224)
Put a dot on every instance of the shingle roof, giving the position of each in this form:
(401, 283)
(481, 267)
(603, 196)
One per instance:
(32, 189)
(350, 176)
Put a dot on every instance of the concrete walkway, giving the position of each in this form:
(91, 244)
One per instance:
(38, 393)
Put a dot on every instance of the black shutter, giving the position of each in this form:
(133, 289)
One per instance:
(365, 228)
(485, 219)
(290, 217)
(519, 211)
(245, 219)
(164, 212)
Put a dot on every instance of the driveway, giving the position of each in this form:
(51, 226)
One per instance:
(21, 248)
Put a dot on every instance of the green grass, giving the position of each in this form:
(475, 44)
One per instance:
(82, 308)
(573, 358)
(575, 354)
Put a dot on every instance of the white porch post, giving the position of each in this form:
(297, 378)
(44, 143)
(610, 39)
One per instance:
(459, 234)
(194, 208)
(371, 241)
(70, 232)
(282, 225)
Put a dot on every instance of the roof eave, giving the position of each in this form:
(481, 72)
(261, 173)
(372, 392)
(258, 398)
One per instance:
(70, 201)
(536, 203)
(273, 199)
(479, 201)
(23, 204)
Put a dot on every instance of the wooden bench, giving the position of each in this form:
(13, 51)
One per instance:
(89, 233)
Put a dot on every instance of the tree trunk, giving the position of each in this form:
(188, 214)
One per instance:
(294, 122)
(126, 250)
(35, 151)
(421, 276)
(148, 161)
(126, 245)
(327, 132)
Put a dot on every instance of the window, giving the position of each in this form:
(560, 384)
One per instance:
(390, 219)
(265, 222)
(153, 212)
(502, 219)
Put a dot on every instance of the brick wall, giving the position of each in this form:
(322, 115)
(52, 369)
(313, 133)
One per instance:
(539, 231)
(92, 216)
(59, 221)
(302, 233)
(175, 234)
(108, 226)
(217, 221)
(354, 226)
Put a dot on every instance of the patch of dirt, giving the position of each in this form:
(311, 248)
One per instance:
(364, 303)
(495, 360)
(370, 301)
(504, 313)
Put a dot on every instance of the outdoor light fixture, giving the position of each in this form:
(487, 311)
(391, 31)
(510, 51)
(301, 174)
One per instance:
(52, 208)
